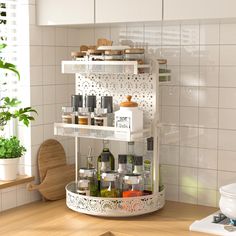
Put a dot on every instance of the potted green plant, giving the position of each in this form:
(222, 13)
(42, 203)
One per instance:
(10, 147)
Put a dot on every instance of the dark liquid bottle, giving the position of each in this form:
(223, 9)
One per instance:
(99, 161)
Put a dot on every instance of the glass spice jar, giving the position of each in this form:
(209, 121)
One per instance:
(89, 174)
(100, 117)
(110, 184)
(67, 115)
(132, 185)
(84, 116)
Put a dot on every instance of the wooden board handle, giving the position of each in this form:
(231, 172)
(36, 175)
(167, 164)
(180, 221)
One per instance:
(31, 187)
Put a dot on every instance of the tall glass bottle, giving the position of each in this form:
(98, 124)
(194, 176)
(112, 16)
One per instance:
(99, 160)
(130, 157)
(148, 167)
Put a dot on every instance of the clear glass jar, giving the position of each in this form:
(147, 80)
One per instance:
(135, 54)
(84, 116)
(100, 117)
(113, 55)
(110, 185)
(67, 115)
(83, 187)
(132, 185)
(90, 175)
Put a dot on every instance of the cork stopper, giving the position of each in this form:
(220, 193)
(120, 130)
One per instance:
(129, 103)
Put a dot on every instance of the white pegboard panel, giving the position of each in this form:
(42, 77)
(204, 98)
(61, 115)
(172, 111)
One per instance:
(142, 87)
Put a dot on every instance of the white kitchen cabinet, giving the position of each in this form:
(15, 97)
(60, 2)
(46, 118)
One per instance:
(65, 12)
(199, 9)
(114, 11)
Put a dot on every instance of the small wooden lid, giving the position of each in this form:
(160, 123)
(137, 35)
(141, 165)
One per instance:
(94, 52)
(113, 52)
(129, 103)
(162, 61)
(78, 54)
(83, 48)
(134, 51)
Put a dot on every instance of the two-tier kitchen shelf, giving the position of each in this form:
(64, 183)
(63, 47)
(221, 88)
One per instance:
(117, 79)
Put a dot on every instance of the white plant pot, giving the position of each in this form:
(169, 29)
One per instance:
(8, 168)
(228, 200)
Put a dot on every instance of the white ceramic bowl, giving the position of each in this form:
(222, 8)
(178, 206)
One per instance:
(228, 200)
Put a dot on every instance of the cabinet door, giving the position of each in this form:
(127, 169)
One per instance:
(65, 12)
(199, 9)
(111, 11)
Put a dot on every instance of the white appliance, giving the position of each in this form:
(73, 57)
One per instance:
(216, 224)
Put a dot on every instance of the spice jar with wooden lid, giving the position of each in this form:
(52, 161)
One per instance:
(129, 116)
(114, 55)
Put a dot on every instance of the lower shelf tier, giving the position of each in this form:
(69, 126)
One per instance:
(113, 207)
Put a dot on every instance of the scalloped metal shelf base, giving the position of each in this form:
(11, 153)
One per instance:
(113, 207)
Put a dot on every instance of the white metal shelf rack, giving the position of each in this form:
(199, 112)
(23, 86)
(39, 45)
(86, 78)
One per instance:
(117, 83)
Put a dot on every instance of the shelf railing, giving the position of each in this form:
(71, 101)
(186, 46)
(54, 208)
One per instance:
(100, 132)
(102, 67)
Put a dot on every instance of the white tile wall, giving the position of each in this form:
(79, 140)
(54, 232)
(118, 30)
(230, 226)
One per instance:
(197, 109)
(203, 111)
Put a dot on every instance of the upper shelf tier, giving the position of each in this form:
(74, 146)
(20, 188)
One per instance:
(102, 67)
(100, 132)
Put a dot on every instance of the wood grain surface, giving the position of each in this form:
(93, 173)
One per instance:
(54, 218)
(51, 154)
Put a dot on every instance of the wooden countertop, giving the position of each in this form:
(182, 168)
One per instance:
(54, 218)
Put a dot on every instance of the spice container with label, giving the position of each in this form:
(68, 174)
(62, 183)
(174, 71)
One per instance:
(109, 185)
(133, 185)
(114, 55)
(129, 116)
(84, 116)
(90, 102)
(89, 174)
(100, 117)
(107, 103)
(135, 54)
(67, 115)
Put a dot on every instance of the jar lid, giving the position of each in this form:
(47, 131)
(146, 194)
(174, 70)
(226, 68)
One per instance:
(132, 179)
(228, 190)
(78, 54)
(134, 51)
(83, 48)
(83, 183)
(109, 176)
(113, 52)
(94, 52)
(86, 172)
(128, 103)
(162, 61)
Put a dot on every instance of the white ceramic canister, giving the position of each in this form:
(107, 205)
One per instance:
(129, 116)
(228, 200)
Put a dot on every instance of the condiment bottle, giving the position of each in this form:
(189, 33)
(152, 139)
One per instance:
(132, 185)
(148, 167)
(130, 157)
(122, 169)
(90, 103)
(99, 160)
(84, 116)
(109, 184)
(76, 101)
(107, 103)
(100, 117)
(138, 165)
(89, 174)
(129, 116)
(67, 115)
